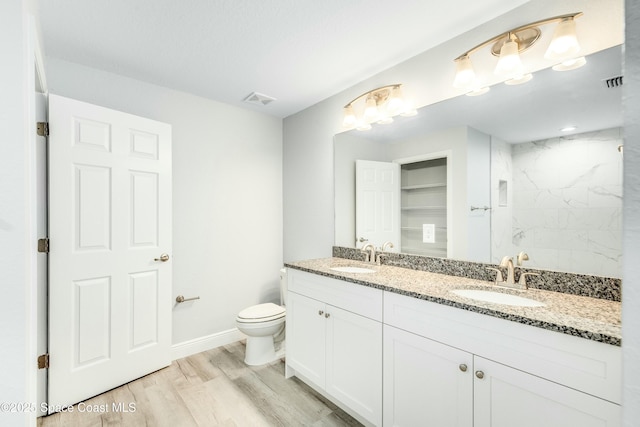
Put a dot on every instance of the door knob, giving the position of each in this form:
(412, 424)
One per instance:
(463, 367)
(163, 258)
(480, 374)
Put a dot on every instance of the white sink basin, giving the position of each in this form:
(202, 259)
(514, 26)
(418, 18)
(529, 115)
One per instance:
(498, 298)
(352, 269)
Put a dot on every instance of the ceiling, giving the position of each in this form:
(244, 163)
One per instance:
(296, 51)
(532, 111)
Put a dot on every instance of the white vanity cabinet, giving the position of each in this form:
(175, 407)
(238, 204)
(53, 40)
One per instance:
(445, 366)
(426, 383)
(507, 397)
(334, 341)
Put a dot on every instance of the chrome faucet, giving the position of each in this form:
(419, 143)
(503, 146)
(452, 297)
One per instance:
(507, 262)
(510, 282)
(384, 248)
(371, 255)
(522, 256)
(523, 279)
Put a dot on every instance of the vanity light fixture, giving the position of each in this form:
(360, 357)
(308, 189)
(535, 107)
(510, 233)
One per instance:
(376, 106)
(508, 47)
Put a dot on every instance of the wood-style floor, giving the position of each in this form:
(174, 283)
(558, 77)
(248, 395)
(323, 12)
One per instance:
(213, 388)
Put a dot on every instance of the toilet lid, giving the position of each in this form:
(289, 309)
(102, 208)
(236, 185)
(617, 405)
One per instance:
(262, 312)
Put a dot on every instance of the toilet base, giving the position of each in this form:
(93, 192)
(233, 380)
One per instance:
(261, 350)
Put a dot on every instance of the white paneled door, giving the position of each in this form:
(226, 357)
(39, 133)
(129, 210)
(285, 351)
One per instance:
(110, 224)
(377, 203)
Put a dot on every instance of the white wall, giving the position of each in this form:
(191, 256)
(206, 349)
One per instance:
(631, 214)
(227, 194)
(14, 306)
(18, 237)
(567, 202)
(478, 195)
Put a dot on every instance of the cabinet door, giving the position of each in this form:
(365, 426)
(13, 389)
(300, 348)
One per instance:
(507, 397)
(306, 337)
(354, 362)
(426, 383)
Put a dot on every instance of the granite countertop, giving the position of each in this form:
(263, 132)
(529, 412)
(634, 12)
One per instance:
(585, 317)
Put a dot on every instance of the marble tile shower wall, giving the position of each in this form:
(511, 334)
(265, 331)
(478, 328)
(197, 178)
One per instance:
(502, 205)
(567, 202)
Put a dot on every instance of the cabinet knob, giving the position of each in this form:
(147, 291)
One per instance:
(480, 374)
(320, 312)
(463, 367)
(326, 315)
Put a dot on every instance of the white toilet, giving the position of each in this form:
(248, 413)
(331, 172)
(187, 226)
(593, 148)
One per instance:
(264, 326)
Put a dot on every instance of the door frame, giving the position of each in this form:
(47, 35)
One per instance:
(448, 154)
(36, 287)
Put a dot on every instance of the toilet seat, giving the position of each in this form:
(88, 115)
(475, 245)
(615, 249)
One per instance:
(261, 313)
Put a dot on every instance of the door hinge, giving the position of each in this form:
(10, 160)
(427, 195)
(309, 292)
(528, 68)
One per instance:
(43, 128)
(43, 245)
(43, 361)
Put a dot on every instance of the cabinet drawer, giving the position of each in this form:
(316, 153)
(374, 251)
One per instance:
(355, 298)
(585, 365)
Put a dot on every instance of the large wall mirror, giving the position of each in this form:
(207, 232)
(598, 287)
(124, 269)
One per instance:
(514, 178)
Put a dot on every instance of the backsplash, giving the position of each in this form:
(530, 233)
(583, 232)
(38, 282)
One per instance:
(607, 288)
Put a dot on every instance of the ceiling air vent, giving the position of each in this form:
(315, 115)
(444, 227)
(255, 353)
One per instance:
(614, 82)
(259, 99)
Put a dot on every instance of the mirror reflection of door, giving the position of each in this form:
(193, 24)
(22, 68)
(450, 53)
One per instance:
(377, 204)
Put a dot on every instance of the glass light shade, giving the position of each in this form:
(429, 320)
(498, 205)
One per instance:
(395, 104)
(409, 108)
(370, 110)
(349, 120)
(465, 76)
(570, 64)
(564, 44)
(509, 64)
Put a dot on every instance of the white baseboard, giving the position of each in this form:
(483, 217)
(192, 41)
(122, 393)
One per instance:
(197, 345)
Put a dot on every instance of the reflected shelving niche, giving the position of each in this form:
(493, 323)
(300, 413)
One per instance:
(424, 207)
